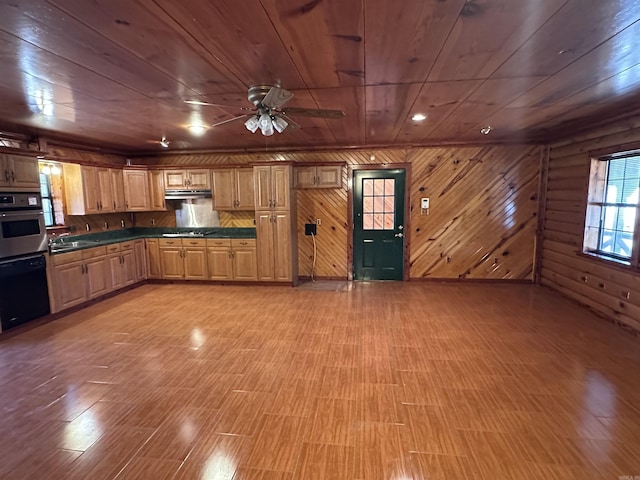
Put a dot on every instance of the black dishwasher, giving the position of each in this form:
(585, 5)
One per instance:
(23, 290)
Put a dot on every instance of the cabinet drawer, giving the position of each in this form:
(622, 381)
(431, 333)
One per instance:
(170, 242)
(94, 252)
(194, 242)
(64, 258)
(243, 242)
(126, 246)
(113, 248)
(218, 242)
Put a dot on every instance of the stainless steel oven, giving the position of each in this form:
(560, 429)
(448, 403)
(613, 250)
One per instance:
(22, 229)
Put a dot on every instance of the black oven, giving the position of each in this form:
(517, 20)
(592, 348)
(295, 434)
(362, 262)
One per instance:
(22, 229)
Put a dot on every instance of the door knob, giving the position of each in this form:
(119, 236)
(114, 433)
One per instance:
(400, 235)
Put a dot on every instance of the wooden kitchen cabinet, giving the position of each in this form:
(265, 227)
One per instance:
(320, 176)
(156, 191)
(80, 276)
(232, 259)
(183, 258)
(275, 231)
(187, 179)
(233, 189)
(272, 187)
(141, 260)
(136, 190)
(117, 184)
(153, 258)
(274, 246)
(92, 190)
(122, 263)
(19, 173)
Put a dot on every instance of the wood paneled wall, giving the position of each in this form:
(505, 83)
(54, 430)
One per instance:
(63, 154)
(481, 224)
(591, 281)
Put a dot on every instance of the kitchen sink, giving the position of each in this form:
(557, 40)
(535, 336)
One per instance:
(184, 234)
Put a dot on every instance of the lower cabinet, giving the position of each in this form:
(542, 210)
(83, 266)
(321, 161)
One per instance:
(153, 258)
(232, 259)
(183, 259)
(83, 275)
(141, 260)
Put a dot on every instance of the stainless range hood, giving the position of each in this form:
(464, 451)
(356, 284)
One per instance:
(186, 194)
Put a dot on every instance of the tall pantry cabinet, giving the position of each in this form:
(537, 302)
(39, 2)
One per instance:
(275, 224)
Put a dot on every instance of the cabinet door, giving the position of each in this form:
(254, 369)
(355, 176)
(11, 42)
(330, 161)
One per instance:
(171, 262)
(90, 189)
(195, 263)
(105, 190)
(115, 271)
(220, 266)
(156, 190)
(71, 285)
(141, 263)
(262, 192)
(244, 189)
(223, 191)
(136, 190)
(175, 179)
(329, 176)
(153, 259)
(199, 179)
(304, 177)
(281, 186)
(128, 267)
(245, 266)
(24, 172)
(282, 247)
(97, 277)
(265, 253)
(5, 173)
(117, 185)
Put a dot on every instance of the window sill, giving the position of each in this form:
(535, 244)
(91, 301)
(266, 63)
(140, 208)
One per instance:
(604, 260)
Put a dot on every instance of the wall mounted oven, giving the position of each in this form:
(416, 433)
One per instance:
(22, 229)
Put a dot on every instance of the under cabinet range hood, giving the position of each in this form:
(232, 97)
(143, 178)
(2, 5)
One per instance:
(186, 194)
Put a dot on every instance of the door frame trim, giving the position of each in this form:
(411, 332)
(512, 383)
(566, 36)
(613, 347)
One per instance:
(407, 212)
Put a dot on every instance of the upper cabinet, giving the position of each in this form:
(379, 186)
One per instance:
(272, 187)
(233, 189)
(156, 190)
(187, 179)
(321, 176)
(19, 173)
(136, 190)
(91, 190)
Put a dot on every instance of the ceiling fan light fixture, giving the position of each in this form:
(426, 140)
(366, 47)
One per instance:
(252, 124)
(280, 124)
(164, 143)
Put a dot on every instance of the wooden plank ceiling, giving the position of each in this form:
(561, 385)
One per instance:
(116, 73)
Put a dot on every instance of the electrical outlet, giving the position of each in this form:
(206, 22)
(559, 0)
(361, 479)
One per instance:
(310, 229)
(317, 221)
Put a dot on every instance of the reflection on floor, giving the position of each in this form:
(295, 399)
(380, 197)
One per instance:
(381, 381)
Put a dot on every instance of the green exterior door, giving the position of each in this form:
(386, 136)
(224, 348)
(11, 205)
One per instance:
(378, 224)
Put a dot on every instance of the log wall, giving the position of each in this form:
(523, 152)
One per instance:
(611, 290)
(481, 224)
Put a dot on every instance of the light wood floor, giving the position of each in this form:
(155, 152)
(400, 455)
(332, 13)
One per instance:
(385, 381)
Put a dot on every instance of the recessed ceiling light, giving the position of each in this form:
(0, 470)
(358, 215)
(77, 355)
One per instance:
(164, 143)
(486, 130)
(418, 117)
(197, 129)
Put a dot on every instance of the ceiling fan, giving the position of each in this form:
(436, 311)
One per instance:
(268, 113)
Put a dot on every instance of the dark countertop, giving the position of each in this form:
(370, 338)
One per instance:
(89, 240)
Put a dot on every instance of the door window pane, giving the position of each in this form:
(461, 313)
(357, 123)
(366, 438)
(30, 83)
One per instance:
(378, 204)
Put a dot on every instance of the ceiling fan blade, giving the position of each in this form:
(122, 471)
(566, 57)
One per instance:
(292, 124)
(311, 112)
(230, 120)
(209, 104)
(276, 97)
